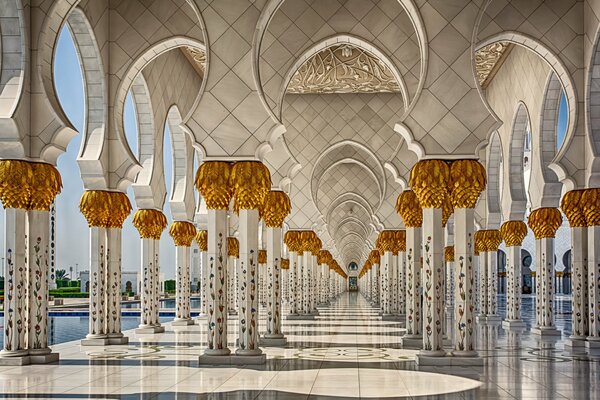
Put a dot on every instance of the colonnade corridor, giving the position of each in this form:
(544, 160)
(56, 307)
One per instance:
(347, 351)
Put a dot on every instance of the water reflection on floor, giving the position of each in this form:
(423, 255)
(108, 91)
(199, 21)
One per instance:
(64, 329)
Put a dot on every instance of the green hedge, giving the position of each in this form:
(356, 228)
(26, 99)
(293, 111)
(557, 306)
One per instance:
(67, 290)
(170, 285)
(69, 295)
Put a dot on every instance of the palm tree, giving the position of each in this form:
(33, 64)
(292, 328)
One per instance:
(61, 275)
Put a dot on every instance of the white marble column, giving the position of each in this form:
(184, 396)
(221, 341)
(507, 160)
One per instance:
(15, 284)
(233, 280)
(204, 277)
(217, 284)
(513, 233)
(274, 286)
(464, 301)
(306, 281)
(482, 281)
(492, 286)
(400, 261)
(544, 222)
(394, 288)
(375, 300)
(97, 319)
(324, 284)
(148, 293)
(38, 234)
(449, 279)
(433, 265)
(315, 284)
(593, 251)
(410, 211)
(113, 287)
(293, 283)
(182, 295)
(248, 268)
(386, 268)
(156, 287)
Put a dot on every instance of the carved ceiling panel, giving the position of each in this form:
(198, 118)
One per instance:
(343, 69)
(197, 58)
(489, 59)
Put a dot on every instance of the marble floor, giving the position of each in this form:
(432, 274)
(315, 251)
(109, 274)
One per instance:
(348, 352)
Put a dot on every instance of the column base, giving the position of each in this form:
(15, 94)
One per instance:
(575, 343)
(449, 361)
(46, 358)
(94, 342)
(546, 331)
(514, 324)
(274, 341)
(232, 312)
(323, 304)
(142, 330)
(232, 359)
(392, 317)
(6, 361)
(491, 319)
(182, 322)
(592, 347)
(301, 317)
(411, 342)
(116, 340)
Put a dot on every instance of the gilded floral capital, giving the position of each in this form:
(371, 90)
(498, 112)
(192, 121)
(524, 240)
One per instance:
(409, 209)
(149, 223)
(429, 179)
(202, 240)
(212, 181)
(182, 232)
(275, 208)
(250, 181)
(467, 181)
(233, 247)
(513, 232)
(544, 222)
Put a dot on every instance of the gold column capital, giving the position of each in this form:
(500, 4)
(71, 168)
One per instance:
(491, 239)
(572, 206)
(105, 209)
(182, 232)
(233, 247)
(324, 257)
(467, 181)
(429, 180)
(202, 240)
(400, 240)
(46, 185)
(262, 257)
(16, 178)
(409, 209)
(590, 203)
(212, 181)
(544, 222)
(513, 232)
(292, 241)
(28, 185)
(250, 181)
(447, 210)
(149, 223)
(275, 208)
(374, 257)
(449, 253)
(386, 241)
(479, 245)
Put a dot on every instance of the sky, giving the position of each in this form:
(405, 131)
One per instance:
(72, 231)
